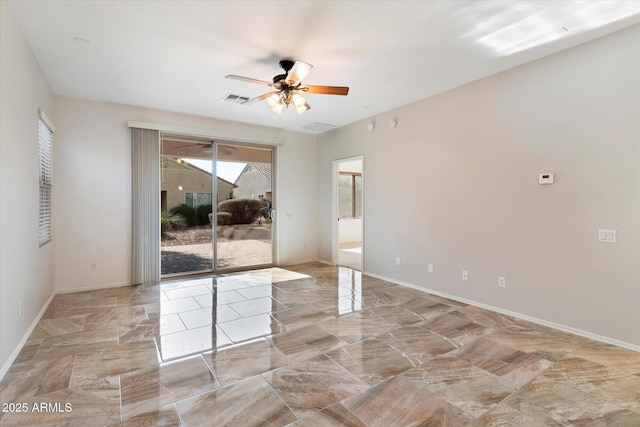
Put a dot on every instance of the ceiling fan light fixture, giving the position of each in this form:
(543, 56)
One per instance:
(298, 71)
(277, 109)
(273, 100)
(287, 87)
(302, 108)
(298, 100)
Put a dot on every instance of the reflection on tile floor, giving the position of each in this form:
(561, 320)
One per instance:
(311, 345)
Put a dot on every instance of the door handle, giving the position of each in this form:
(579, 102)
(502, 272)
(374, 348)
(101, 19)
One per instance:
(273, 214)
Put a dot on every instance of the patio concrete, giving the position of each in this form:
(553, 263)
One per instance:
(234, 253)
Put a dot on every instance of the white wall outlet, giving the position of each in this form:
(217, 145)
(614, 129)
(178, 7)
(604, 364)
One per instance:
(93, 266)
(397, 260)
(465, 275)
(545, 178)
(606, 236)
(502, 282)
(19, 308)
(430, 268)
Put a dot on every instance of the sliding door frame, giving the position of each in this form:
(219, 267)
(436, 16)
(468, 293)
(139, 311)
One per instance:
(274, 205)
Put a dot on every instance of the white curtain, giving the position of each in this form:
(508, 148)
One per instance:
(145, 180)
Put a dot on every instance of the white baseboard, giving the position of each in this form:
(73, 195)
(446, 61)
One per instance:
(563, 328)
(16, 351)
(93, 288)
(297, 262)
(321, 261)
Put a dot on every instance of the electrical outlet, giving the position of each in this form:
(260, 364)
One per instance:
(397, 260)
(430, 268)
(465, 275)
(19, 308)
(606, 236)
(502, 282)
(93, 266)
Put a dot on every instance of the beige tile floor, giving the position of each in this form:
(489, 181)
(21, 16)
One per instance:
(311, 345)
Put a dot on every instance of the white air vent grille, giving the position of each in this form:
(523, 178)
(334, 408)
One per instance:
(319, 127)
(236, 99)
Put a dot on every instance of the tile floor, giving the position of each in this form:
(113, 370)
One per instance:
(311, 345)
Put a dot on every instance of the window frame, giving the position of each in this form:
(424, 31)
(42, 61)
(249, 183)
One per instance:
(45, 178)
(353, 209)
(194, 193)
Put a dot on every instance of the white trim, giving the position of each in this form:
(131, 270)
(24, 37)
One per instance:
(536, 320)
(298, 262)
(95, 288)
(46, 120)
(227, 135)
(18, 349)
(322, 261)
(335, 228)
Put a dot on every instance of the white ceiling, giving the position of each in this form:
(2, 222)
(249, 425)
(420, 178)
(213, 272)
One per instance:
(174, 55)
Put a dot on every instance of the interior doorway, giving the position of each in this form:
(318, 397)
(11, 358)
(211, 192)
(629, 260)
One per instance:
(216, 205)
(349, 202)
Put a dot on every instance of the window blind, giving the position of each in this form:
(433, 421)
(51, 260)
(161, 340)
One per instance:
(45, 172)
(145, 208)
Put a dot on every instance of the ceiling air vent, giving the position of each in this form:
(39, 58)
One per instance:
(319, 127)
(236, 99)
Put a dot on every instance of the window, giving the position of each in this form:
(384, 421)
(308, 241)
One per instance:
(45, 168)
(197, 199)
(350, 195)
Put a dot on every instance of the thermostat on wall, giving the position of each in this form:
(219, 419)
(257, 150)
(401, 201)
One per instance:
(545, 178)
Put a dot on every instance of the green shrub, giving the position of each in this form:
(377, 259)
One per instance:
(203, 212)
(170, 221)
(223, 218)
(243, 211)
(188, 213)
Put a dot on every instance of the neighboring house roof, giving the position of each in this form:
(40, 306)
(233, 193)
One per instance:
(179, 164)
(265, 168)
(230, 183)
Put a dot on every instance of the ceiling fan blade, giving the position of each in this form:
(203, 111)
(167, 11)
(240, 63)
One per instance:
(326, 90)
(249, 80)
(298, 72)
(259, 98)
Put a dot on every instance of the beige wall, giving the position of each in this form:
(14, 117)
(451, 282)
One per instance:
(252, 185)
(177, 180)
(225, 190)
(26, 270)
(473, 156)
(93, 214)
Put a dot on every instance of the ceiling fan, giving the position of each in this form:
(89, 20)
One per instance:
(289, 86)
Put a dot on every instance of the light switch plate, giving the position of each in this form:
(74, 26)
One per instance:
(606, 235)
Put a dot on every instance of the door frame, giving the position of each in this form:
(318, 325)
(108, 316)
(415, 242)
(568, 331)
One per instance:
(214, 191)
(335, 229)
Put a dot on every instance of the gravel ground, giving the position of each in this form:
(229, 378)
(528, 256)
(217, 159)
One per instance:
(202, 234)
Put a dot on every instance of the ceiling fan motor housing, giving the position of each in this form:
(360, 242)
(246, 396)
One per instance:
(286, 65)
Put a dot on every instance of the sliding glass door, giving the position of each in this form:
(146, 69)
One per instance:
(244, 227)
(186, 205)
(216, 205)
